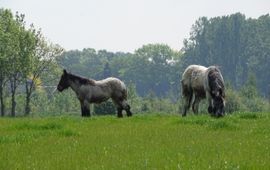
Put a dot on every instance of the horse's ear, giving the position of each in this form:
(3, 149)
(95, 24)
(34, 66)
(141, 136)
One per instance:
(65, 71)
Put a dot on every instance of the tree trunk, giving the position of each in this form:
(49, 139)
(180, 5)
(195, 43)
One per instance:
(13, 104)
(27, 108)
(13, 101)
(27, 105)
(29, 88)
(2, 99)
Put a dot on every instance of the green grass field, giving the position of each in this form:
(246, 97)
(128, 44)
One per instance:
(153, 141)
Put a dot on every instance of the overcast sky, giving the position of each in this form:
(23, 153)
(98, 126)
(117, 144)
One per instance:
(125, 25)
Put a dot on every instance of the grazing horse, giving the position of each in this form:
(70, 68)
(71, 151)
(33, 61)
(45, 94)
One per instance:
(199, 82)
(92, 91)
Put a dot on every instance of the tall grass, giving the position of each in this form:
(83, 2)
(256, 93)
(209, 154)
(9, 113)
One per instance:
(153, 141)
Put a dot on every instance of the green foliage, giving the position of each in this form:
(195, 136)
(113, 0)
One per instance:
(134, 100)
(250, 115)
(251, 98)
(239, 45)
(23, 54)
(154, 141)
(233, 101)
(105, 108)
(55, 104)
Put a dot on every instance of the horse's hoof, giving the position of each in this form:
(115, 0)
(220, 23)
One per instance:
(210, 109)
(120, 116)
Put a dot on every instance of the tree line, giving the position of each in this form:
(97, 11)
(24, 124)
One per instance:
(31, 66)
(24, 56)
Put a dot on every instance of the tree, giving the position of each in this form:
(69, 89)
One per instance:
(15, 53)
(24, 53)
(25, 43)
(43, 60)
(7, 46)
(107, 71)
(154, 66)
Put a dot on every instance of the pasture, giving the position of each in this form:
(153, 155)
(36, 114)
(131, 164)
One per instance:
(149, 141)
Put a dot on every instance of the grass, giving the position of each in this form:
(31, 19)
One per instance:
(152, 141)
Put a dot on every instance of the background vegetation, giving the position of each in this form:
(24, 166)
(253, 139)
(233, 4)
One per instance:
(31, 67)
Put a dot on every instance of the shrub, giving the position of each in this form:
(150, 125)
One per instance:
(105, 108)
(233, 101)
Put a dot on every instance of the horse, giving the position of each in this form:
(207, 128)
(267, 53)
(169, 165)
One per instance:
(199, 82)
(92, 91)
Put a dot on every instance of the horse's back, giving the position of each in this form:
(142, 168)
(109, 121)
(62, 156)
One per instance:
(193, 74)
(193, 80)
(116, 87)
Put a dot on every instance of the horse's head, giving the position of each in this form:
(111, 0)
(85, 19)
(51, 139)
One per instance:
(219, 103)
(63, 83)
(217, 91)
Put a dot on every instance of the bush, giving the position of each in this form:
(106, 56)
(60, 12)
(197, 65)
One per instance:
(251, 98)
(105, 108)
(233, 101)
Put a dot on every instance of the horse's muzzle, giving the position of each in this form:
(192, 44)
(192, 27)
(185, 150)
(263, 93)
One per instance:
(60, 88)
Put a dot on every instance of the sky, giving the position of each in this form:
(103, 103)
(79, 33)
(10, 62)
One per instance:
(125, 25)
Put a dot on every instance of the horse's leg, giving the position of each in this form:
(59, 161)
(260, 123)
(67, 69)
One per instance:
(195, 105)
(187, 102)
(85, 108)
(186, 95)
(118, 106)
(82, 108)
(210, 103)
(129, 113)
(82, 111)
(122, 105)
(126, 107)
(185, 106)
(119, 112)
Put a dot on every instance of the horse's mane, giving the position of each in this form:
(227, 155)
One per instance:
(215, 78)
(81, 80)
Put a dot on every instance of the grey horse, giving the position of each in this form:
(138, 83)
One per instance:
(92, 91)
(199, 82)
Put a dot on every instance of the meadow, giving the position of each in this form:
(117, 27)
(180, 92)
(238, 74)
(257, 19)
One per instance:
(144, 141)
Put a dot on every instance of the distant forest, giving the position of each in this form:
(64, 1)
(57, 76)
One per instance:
(30, 66)
(240, 46)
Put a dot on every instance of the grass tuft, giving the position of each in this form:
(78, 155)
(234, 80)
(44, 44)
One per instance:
(35, 126)
(68, 133)
(222, 124)
(250, 115)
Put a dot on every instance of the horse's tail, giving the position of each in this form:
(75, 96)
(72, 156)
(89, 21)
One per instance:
(124, 90)
(125, 94)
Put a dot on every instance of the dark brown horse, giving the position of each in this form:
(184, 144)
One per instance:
(92, 91)
(199, 82)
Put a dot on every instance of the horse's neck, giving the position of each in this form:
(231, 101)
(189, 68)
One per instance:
(74, 86)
